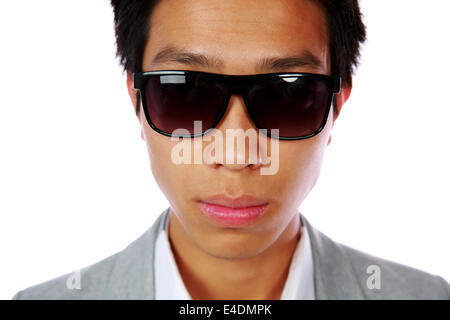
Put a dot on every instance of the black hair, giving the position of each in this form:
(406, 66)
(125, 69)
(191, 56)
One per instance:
(346, 33)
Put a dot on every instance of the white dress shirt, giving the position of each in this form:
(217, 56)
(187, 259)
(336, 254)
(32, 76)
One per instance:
(169, 285)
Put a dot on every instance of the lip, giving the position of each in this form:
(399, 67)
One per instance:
(243, 210)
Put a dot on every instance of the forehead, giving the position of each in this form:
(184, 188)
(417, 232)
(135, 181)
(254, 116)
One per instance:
(235, 35)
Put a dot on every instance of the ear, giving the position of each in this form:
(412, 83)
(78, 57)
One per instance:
(340, 99)
(133, 96)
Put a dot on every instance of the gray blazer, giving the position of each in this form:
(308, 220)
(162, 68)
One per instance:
(340, 272)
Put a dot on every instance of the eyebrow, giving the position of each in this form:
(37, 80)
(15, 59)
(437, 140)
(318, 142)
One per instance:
(178, 55)
(305, 59)
(173, 54)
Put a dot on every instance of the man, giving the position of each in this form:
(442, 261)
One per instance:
(202, 74)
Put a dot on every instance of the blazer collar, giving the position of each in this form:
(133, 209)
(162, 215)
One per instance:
(132, 276)
(334, 276)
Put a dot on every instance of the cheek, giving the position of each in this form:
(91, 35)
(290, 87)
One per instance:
(299, 168)
(301, 163)
(159, 151)
(172, 178)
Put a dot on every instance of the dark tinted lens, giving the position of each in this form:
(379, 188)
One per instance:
(176, 101)
(297, 106)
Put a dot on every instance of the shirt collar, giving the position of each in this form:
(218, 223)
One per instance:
(169, 285)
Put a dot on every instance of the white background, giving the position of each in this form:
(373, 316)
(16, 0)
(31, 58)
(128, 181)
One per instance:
(75, 182)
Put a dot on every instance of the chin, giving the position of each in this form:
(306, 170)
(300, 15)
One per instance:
(226, 244)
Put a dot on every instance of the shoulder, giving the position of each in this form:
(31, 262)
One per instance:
(342, 272)
(87, 283)
(127, 274)
(385, 279)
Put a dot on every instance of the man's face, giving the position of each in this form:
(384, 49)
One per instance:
(240, 34)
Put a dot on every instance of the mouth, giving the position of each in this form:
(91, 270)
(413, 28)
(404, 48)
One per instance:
(226, 211)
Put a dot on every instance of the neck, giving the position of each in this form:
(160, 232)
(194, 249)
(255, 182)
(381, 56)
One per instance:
(259, 277)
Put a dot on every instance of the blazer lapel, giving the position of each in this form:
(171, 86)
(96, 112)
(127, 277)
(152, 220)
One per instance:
(132, 276)
(334, 277)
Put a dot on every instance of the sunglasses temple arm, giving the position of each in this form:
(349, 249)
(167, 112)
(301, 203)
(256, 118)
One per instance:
(138, 101)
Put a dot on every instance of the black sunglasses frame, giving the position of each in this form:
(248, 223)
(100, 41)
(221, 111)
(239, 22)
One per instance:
(235, 84)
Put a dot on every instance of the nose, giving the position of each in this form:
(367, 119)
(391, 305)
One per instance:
(241, 147)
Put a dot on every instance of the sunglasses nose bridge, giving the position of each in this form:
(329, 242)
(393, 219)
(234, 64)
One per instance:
(237, 89)
(240, 90)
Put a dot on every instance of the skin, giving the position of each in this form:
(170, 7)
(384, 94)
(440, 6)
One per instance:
(249, 262)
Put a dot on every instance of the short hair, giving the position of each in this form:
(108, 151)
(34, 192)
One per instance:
(346, 33)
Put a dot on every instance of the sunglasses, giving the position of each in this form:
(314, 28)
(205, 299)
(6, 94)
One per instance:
(297, 104)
